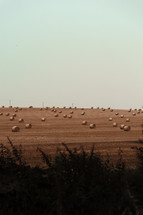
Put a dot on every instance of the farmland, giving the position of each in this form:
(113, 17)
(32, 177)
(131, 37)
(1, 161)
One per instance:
(48, 134)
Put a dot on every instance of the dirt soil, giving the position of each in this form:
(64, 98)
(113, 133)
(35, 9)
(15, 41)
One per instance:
(49, 134)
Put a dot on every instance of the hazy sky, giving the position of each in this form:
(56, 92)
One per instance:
(85, 52)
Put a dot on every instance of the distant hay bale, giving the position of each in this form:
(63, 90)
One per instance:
(10, 106)
(64, 107)
(103, 109)
(122, 116)
(75, 107)
(55, 110)
(127, 128)
(14, 115)
(134, 114)
(110, 119)
(92, 125)
(60, 111)
(129, 110)
(43, 119)
(138, 112)
(15, 129)
(127, 120)
(1, 114)
(122, 126)
(21, 120)
(108, 108)
(56, 115)
(70, 108)
(30, 106)
(91, 107)
(3, 106)
(82, 108)
(41, 108)
(28, 125)
(115, 124)
(16, 110)
(111, 110)
(52, 110)
(71, 112)
(116, 113)
(11, 118)
(84, 122)
(82, 113)
(20, 108)
(97, 107)
(65, 116)
(7, 114)
(69, 116)
(46, 108)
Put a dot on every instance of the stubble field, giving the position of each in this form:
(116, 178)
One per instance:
(49, 134)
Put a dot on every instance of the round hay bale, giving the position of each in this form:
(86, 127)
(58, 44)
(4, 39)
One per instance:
(127, 128)
(103, 109)
(21, 120)
(129, 110)
(71, 112)
(111, 110)
(43, 119)
(28, 125)
(69, 116)
(97, 107)
(14, 115)
(127, 120)
(7, 114)
(52, 110)
(116, 113)
(55, 111)
(56, 115)
(134, 114)
(122, 126)
(115, 124)
(84, 122)
(82, 108)
(60, 111)
(138, 112)
(30, 106)
(15, 129)
(70, 108)
(110, 119)
(16, 110)
(64, 107)
(3, 106)
(10, 106)
(20, 108)
(91, 107)
(122, 116)
(11, 118)
(1, 114)
(41, 108)
(65, 116)
(82, 113)
(92, 126)
(108, 108)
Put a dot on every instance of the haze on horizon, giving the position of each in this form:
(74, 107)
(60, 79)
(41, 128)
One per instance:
(81, 52)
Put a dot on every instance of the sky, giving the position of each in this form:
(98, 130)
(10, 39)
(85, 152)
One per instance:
(71, 53)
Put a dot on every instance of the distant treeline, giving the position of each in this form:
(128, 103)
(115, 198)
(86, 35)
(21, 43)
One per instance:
(74, 183)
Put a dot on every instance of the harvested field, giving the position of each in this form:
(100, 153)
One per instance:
(55, 130)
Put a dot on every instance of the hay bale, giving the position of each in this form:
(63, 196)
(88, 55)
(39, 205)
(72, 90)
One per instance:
(43, 119)
(82, 113)
(91, 107)
(11, 118)
(127, 128)
(92, 126)
(69, 116)
(16, 110)
(10, 106)
(122, 116)
(116, 113)
(30, 106)
(7, 114)
(127, 120)
(21, 120)
(28, 125)
(65, 116)
(14, 115)
(110, 119)
(52, 110)
(115, 124)
(1, 114)
(41, 108)
(55, 111)
(3, 106)
(111, 110)
(122, 126)
(103, 109)
(138, 112)
(56, 115)
(71, 112)
(60, 111)
(129, 110)
(15, 129)
(84, 122)
(134, 114)
(82, 108)
(20, 108)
